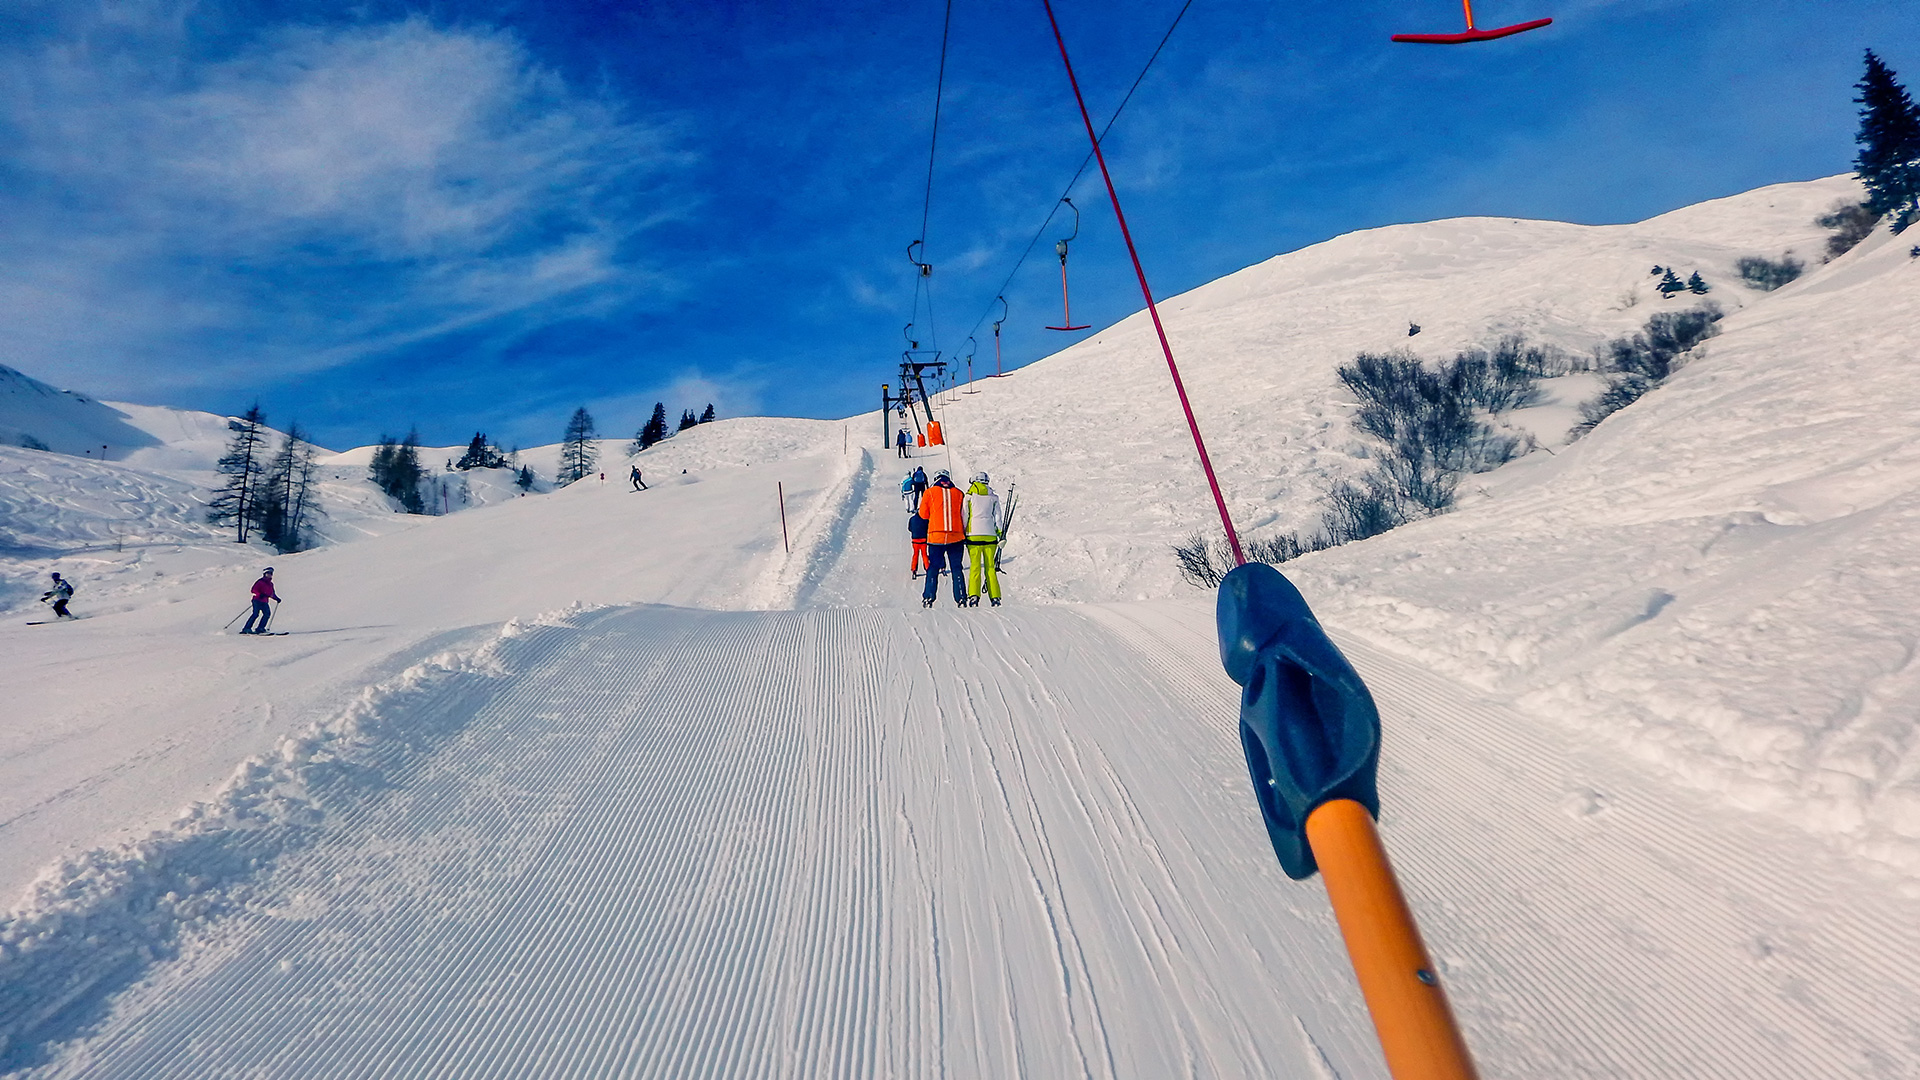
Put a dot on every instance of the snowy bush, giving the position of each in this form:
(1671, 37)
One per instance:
(1430, 422)
(1769, 274)
(1205, 559)
(1637, 364)
(1851, 223)
(1370, 507)
(1429, 418)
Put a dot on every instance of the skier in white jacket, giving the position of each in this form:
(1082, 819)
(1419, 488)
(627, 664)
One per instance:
(981, 515)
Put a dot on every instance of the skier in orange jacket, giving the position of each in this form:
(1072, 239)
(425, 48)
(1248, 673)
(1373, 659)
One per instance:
(943, 506)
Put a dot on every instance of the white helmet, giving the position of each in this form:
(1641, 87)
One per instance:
(980, 478)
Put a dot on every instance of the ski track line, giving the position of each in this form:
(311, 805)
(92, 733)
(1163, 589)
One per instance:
(398, 927)
(1694, 951)
(881, 842)
(720, 1057)
(819, 538)
(1037, 813)
(251, 823)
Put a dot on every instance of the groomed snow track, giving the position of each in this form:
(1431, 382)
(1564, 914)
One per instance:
(885, 843)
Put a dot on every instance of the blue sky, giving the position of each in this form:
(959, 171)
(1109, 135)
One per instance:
(480, 215)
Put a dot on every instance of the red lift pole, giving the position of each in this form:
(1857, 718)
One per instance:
(1199, 444)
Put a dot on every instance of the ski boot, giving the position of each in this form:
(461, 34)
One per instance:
(926, 603)
(996, 601)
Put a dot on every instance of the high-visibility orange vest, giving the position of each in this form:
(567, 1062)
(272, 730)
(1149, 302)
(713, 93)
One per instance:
(941, 506)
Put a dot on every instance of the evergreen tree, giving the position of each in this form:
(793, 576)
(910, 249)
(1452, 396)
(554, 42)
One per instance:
(1698, 285)
(396, 470)
(1889, 138)
(656, 426)
(578, 454)
(525, 478)
(243, 466)
(481, 454)
(687, 420)
(1670, 284)
(707, 417)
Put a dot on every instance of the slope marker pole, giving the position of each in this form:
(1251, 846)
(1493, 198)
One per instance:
(780, 488)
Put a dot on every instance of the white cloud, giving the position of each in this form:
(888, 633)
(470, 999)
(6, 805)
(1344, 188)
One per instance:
(321, 195)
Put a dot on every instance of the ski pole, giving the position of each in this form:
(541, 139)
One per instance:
(1311, 734)
(236, 618)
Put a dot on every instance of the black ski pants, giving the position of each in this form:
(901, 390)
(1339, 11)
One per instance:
(953, 556)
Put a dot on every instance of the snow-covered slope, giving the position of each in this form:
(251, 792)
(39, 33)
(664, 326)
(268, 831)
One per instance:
(1719, 578)
(1095, 436)
(37, 415)
(722, 841)
(144, 659)
(1723, 577)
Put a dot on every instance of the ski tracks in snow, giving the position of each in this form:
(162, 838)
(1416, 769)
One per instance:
(828, 843)
(1594, 921)
(906, 843)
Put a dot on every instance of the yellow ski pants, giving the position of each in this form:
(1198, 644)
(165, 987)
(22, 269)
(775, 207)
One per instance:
(980, 555)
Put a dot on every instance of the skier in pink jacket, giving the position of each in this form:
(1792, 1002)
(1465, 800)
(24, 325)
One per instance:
(262, 610)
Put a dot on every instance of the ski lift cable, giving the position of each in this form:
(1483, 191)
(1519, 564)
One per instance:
(923, 276)
(1054, 210)
(1193, 425)
(933, 143)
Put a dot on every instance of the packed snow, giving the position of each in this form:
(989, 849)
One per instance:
(596, 781)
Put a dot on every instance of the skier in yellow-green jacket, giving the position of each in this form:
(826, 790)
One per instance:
(982, 516)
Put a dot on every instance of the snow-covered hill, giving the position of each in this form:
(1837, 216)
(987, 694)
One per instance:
(33, 414)
(1096, 440)
(1648, 696)
(1718, 578)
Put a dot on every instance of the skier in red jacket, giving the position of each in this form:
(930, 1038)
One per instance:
(262, 610)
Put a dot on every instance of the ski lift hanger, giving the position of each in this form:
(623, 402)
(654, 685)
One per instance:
(917, 358)
(1066, 305)
(1005, 310)
(1472, 33)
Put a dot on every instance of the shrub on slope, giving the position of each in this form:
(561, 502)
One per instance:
(1637, 364)
(1430, 422)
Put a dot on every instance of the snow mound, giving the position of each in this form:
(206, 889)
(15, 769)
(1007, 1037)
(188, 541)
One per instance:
(94, 923)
